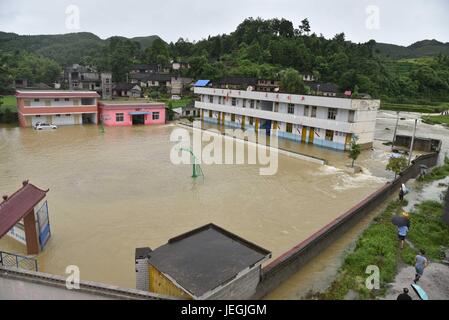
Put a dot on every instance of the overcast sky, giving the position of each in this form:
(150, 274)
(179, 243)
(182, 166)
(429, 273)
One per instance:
(400, 21)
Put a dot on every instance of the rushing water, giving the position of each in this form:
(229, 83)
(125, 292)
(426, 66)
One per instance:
(113, 192)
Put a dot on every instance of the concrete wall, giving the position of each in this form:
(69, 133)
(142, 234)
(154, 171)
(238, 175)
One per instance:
(420, 144)
(242, 289)
(26, 285)
(289, 263)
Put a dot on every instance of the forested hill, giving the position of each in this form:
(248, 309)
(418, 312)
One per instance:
(419, 49)
(257, 48)
(65, 49)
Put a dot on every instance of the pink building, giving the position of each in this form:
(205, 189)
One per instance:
(132, 113)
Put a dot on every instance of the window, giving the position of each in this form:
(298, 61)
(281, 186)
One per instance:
(314, 109)
(38, 116)
(289, 127)
(329, 135)
(233, 117)
(107, 81)
(211, 99)
(332, 114)
(57, 100)
(291, 108)
(66, 99)
(36, 100)
(306, 111)
(276, 107)
(27, 103)
(156, 115)
(58, 116)
(244, 103)
(251, 104)
(220, 100)
(234, 102)
(351, 117)
(210, 113)
(119, 117)
(251, 121)
(68, 115)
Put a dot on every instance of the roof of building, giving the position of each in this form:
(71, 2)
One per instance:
(201, 83)
(132, 104)
(18, 205)
(323, 87)
(206, 258)
(55, 94)
(145, 67)
(151, 76)
(238, 81)
(125, 86)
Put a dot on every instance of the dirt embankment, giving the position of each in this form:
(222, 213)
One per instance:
(435, 282)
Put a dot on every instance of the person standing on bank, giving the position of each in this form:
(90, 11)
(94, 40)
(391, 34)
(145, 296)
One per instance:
(421, 263)
(402, 233)
(401, 195)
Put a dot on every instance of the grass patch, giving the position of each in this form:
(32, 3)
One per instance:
(177, 103)
(436, 120)
(428, 231)
(437, 173)
(10, 101)
(421, 108)
(378, 245)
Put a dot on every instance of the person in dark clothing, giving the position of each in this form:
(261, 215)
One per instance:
(401, 195)
(404, 296)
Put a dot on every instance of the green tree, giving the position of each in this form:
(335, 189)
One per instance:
(304, 27)
(291, 81)
(397, 165)
(355, 150)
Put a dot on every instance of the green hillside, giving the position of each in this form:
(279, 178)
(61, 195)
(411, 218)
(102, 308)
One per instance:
(419, 49)
(65, 49)
(145, 42)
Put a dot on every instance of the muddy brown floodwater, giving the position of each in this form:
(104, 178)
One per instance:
(113, 192)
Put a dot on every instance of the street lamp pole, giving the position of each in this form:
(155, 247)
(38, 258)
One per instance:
(395, 131)
(413, 142)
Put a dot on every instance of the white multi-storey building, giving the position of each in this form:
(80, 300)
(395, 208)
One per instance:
(322, 121)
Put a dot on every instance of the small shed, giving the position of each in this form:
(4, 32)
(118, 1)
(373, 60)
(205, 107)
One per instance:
(208, 263)
(24, 217)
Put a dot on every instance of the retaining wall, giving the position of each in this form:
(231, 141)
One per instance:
(291, 262)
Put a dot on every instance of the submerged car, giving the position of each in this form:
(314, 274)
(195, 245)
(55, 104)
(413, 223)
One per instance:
(44, 126)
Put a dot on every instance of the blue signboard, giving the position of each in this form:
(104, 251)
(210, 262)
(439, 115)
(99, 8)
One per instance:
(43, 223)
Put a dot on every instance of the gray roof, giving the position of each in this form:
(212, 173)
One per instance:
(151, 76)
(238, 81)
(125, 86)
(323, 87)
(206, 258)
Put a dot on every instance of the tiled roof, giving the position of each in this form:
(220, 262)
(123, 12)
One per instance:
(14, 208)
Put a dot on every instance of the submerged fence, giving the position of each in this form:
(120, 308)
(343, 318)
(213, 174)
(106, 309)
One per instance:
(11, 260)
(291, 262)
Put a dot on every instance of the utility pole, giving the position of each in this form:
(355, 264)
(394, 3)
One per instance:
(395, 131)
(413, 142)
